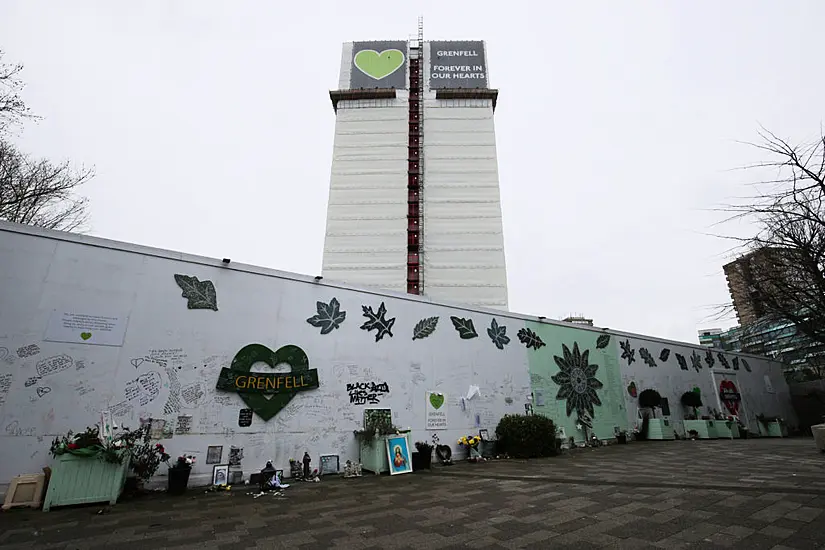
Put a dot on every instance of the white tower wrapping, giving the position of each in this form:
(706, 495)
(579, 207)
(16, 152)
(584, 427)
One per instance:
(414, 202)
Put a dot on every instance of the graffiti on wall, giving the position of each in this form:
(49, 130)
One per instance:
(363, 393)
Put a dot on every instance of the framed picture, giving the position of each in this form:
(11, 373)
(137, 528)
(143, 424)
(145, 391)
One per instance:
(329, 464)
(398, 455)
(484, 435)
(214, 454)
(220, 474)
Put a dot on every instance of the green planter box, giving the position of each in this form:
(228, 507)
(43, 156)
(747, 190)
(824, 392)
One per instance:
(713, 432)
(374, 455)
(726, 429)
(772, 429)
(660, 429)
(83, 480)
(701, 427)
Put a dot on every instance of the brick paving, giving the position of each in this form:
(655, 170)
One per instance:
(753, 494)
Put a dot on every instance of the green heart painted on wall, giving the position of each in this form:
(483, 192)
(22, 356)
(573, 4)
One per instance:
(264, 406)
(85, 335)
(436, 400)
(379, 65)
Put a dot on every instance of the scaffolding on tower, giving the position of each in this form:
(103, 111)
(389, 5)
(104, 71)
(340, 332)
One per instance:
(415, 165)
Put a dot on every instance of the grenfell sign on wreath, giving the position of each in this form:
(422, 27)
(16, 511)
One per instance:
(267, 393)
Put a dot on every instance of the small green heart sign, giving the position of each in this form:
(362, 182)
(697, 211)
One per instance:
(255, 388)
(436, 400)
(85, 335)
(379, 65)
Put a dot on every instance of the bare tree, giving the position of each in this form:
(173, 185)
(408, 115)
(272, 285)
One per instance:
(784, 270)
(34, 191)
(13, 109)
(39, 192)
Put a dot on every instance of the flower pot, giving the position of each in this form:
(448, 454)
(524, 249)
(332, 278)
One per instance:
(422, 460)
(178, 480)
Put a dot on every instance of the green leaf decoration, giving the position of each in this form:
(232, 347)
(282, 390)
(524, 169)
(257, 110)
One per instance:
(682, 361)
(602, 341)
(329, 316)
(201, 294)
(745, 364)
(498, 334)
(424, 328)
(465, 328)
(646, 357)
(664, 355)
(376, 321)
(530, 339)
(735, 363)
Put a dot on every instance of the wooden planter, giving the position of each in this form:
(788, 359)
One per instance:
(701, 427)
(772, 429)
(727, 429)
(374, 455)
(659, 429)
(83, 480)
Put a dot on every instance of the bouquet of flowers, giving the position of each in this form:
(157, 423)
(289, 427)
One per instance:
(183, 461)
(471, 442)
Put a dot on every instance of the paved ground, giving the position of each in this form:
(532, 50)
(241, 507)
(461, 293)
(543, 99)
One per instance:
(682, 494)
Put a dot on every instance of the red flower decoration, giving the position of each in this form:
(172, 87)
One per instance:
(72, 445)
(159, 447)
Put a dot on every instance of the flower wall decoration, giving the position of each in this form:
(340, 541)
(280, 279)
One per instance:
(577, 380)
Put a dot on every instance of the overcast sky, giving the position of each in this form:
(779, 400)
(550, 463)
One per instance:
(211, 130)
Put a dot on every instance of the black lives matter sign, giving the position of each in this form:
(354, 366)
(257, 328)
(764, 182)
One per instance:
(457, 64)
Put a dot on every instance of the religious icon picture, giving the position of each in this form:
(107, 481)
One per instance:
(220, 474)
(398, 455)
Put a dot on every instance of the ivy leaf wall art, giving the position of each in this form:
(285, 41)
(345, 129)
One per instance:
(424, 328)
(577, 380)
(696, 361)
(745, 364)
(664, 355)
(464, 327)
(682, 361)
(200, 294)
(628, 353)
(498, 334)
(709, 359)
(529, 338)
(735, 363)
(723, 360)
(646, 357)
(602, 341)
(376, 321)
(329, 316)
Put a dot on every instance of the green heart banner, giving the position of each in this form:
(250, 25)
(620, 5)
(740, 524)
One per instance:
(379, 65)
(267, 393)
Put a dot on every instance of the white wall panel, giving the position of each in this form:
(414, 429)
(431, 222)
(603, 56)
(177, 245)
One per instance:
(255, 305)
(671, 380)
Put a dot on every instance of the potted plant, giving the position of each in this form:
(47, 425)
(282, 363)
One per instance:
(621, 437)
(146, 456)
(373, 455)
(87, 468)
(652, 427)
(422, 460)
(179, 474)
